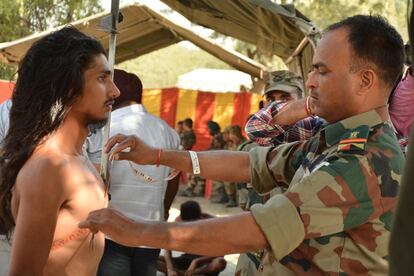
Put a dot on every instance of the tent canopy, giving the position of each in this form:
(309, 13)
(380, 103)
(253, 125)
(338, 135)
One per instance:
(277, 29)
(215, 80)
(142, 30)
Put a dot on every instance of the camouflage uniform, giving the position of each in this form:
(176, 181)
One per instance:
(335, 216)
(264, 132)
(188, 139)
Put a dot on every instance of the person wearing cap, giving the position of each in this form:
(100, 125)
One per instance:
(130, 192)
(283, 85)
(288, 117)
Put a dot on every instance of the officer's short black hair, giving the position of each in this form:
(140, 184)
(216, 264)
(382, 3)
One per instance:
(374, 43)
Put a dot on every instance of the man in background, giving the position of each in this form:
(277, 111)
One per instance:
(188, 137)
(191, 264)
(283, 85)
(130, 191)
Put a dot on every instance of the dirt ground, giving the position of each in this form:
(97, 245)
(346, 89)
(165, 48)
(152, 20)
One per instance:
(216, 209)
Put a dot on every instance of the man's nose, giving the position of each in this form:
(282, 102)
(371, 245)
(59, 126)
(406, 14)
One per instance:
(114, 92)
(311, 81)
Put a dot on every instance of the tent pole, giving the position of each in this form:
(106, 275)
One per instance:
(298, 50)
(111, 61)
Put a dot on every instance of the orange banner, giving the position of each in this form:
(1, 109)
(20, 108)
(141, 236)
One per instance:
(6, 89)
(224, 108)
(174, 104)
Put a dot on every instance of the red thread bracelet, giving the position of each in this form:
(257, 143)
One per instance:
(157, 163)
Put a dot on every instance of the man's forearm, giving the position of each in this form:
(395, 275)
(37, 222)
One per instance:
(217, 165)
(212, 237)
(291, 113)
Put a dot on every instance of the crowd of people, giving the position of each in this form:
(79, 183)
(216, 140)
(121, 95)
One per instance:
(316, 173)
(231, 138)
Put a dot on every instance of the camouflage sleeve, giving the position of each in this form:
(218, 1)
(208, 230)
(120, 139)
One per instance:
(273, 167)
(281, 224)
(338, 196)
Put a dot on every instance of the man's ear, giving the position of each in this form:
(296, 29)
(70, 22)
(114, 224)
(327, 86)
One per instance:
(367, 80)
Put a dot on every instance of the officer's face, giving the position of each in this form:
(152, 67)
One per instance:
(332, 85)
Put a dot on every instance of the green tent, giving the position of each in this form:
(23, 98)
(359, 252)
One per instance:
(280, 30)
(141, 31)
(277, 29)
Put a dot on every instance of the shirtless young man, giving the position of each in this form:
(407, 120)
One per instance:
(47, 185)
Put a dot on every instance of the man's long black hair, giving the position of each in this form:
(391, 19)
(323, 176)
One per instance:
(50, 79)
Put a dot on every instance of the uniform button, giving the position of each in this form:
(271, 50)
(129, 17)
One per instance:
(261, 267)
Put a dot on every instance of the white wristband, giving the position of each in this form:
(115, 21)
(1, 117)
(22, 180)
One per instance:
(195, 163)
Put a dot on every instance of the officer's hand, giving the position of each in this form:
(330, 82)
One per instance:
(171, 272)
(139, 152)
(112, 223)
(191, 269)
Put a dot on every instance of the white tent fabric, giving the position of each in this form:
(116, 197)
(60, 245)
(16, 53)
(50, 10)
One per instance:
(215, 80)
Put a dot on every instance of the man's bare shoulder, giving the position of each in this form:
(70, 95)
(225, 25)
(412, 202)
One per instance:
(46, 170)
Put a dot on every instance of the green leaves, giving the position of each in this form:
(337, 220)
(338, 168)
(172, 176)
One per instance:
(20, 18)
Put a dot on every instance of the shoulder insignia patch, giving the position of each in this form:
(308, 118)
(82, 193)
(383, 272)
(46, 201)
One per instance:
(354, 141)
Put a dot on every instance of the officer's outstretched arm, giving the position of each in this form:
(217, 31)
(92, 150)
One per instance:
(208, 237)
(217, 165)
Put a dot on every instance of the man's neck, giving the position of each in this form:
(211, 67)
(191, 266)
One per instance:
(69, 137)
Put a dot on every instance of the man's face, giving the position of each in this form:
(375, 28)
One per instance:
(332, 87)
(235, 139)
(226, 136)
(186, 127)
(278, 95)
(179, 128)
(98, 93)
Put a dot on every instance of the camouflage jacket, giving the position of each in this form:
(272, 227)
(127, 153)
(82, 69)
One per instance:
(335, 217)
(188, 139)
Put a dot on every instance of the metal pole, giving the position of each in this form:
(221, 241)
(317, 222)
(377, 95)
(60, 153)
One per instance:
(111, 61)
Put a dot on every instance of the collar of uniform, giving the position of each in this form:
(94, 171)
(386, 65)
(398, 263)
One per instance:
(334, 132)
(129, 109)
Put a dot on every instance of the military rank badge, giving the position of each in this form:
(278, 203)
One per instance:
(354, 141)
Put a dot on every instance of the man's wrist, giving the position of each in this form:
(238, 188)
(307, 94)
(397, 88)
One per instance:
(155, 156)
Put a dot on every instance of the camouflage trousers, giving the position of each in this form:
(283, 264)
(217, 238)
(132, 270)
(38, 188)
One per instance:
(197, 184)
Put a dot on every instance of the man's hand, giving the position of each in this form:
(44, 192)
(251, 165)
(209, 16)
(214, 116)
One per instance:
(191, 269)
(113, 224)
(139, 152)
(172, 272)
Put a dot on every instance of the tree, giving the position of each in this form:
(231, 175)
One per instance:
(326, 12)
(20, 18)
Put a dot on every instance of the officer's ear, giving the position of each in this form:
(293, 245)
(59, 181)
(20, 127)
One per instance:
(367, 79)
